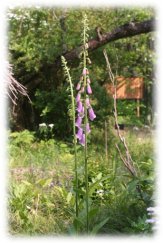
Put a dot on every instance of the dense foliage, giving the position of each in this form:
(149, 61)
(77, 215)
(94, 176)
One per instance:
(38, 36)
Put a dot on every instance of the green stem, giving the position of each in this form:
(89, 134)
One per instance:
(85, 147)
(75, 149)
(74, 135)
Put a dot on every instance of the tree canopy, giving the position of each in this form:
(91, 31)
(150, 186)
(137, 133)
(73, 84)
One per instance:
(39, 36)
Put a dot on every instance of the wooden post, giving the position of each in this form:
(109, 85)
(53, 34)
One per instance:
(138, 108)
(106, 141)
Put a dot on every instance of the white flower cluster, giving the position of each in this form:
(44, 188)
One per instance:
(42, 125)
(46, 125)
(152, 211)
(100, 191)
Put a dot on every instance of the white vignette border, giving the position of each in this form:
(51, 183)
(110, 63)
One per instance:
(158, 107)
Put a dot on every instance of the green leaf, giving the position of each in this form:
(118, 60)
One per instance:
(44, 182)
(93, 185)
(99, 226)
(27, 183)
(69, 196)
(132, 184)
(63, 145)
(99, 176)
(93, 212)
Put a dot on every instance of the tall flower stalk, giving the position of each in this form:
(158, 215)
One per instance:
(68, 77)
(85, 121)
(84, 110)
(84, 114)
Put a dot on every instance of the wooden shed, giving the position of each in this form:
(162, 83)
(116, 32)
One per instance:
(127, 88)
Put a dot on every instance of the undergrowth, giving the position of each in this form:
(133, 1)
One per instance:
(41, 182)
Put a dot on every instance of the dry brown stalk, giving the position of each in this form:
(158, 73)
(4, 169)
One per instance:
(126, 158)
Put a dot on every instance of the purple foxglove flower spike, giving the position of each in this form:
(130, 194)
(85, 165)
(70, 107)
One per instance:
(79, 134)
(88, 130)
(78, 97)
(92, 115)
(78, 121)
(84, 71)
(80, 107)
(89, 90)
(78, 86)
(87, 102)
(82, 140)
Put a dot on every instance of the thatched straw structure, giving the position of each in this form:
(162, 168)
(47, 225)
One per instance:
(14, 88)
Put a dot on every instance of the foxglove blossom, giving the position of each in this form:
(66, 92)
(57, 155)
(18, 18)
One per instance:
(87, 102)
(79, 134)
(80, 107)
(82, 112)
(88, 81)
(92, 115)
(88, 130)
(82, 140)
(78, 97)
(78, 86)
(78, 121)
(89, 90)
(84, 71)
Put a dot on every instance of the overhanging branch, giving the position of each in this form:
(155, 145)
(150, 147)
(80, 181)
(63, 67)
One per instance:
(124, 31)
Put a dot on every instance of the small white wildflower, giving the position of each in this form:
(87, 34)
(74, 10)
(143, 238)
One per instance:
(42, 125)
(100, 191)
(135, 128)
(51, 125)
(150, 221)
(152, 209)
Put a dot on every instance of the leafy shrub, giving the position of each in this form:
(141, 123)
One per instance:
(24, 138)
